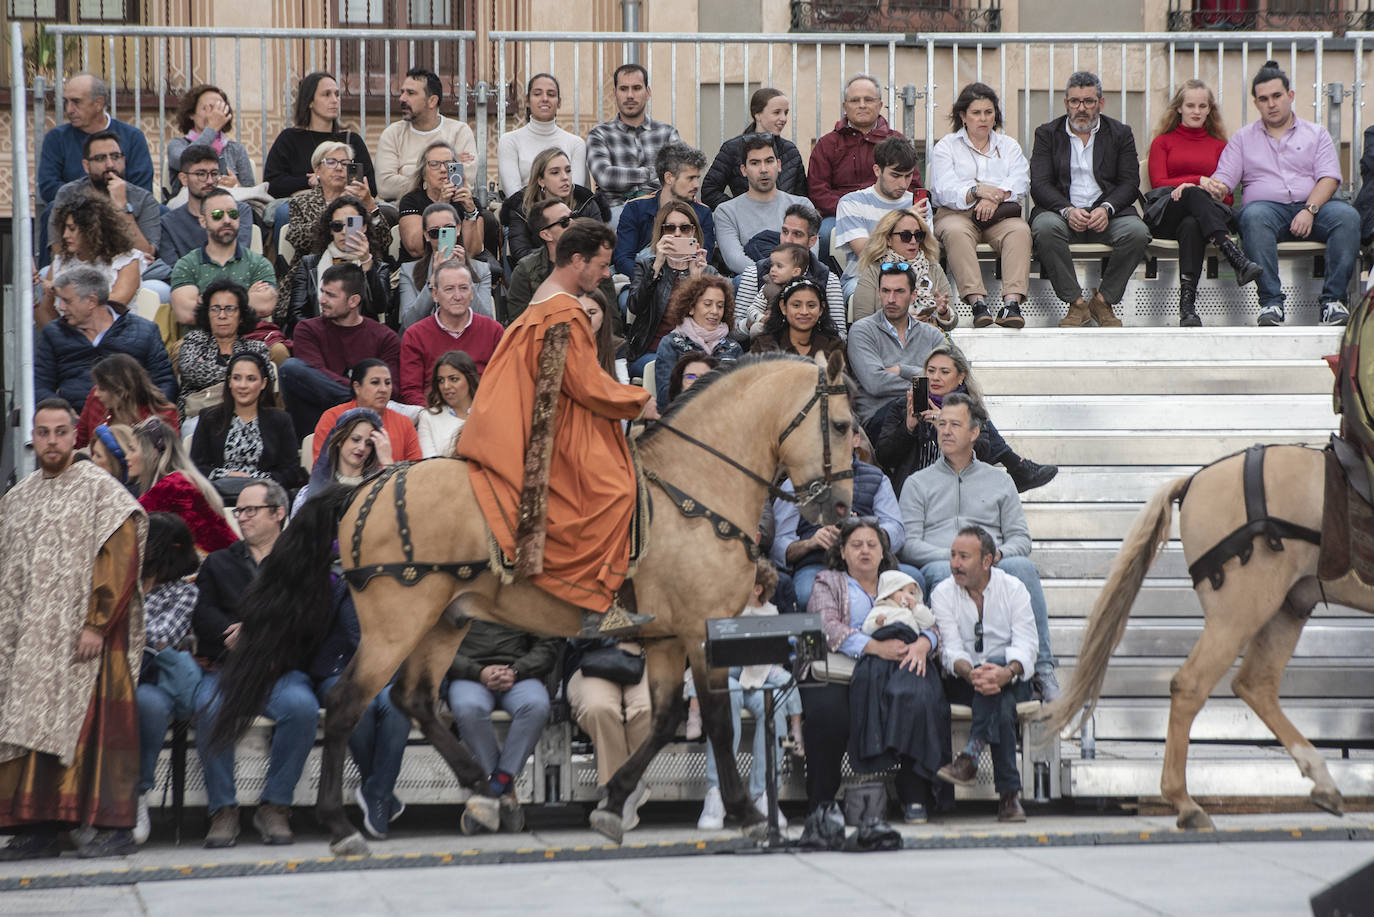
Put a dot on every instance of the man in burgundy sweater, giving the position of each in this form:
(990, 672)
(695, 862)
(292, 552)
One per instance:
(315, 378)
(842, 160)
(452, 326)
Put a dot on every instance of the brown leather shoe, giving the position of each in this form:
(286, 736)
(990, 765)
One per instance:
(963, 770)
(224, 827)
(1009, 808)
(1102, 313)
(1078, 317)
(273, 823)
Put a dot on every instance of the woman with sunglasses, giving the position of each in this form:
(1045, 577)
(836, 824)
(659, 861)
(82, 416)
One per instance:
(338, 244)
(308, 233)
(676, 254)
(769, 111)
(414, 299)
(799, 322)
(432, 186)
(246, 436)
(551, 175)
(908, 723)
(979, 179)
(903, 238)
(223, 317)
(702, 312)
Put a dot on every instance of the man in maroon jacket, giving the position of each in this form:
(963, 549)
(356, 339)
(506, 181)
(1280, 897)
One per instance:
(842, 160)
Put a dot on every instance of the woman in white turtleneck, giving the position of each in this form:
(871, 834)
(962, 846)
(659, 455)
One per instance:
(516, 150)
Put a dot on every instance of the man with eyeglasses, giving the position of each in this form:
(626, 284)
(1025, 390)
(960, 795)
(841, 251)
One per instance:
(894, 164)
(1085, 178)
(678, 167)
(957, 491)
(748, 222)
(552, 217)
(223, 579)
(222, 255)
(421, 124)
(182, 231)
(987, 642)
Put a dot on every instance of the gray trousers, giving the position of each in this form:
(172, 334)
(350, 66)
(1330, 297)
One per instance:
(1126, 234)
(527, 702)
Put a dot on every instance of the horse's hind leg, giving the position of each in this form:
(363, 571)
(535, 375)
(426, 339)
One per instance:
(343, 708)
(663, 667)
(1257, 683)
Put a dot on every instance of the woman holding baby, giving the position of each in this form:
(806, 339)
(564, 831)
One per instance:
(893, 712)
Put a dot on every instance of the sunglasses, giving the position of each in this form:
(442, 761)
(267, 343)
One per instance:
(561, 224)
(678, 229)
(978, 636)
(218, 214)
(433, 232)
(910, 235)
(338, 226)
(894, 267)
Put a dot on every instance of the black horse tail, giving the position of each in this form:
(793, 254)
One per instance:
(286, 613)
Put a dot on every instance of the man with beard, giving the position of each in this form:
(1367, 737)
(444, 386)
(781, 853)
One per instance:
(579, 466)
(222, 256)
(84, 99)
(71, 636)
(621, 152)
(1085, 179)
(398, 150)
(747, 224)
(198, 171)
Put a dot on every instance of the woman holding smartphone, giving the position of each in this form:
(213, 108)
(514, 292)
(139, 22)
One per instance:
(551, 175)
(342, 226)
(439, 178)
(440, 222)
(676, 253)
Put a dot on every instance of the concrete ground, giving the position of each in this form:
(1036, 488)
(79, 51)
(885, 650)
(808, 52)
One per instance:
(1061, 863)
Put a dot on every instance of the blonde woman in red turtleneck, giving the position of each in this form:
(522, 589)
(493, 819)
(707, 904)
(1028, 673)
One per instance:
(1186, 148)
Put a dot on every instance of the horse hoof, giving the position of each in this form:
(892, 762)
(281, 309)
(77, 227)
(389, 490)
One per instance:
(757, 831)
(1195, 820)
(486, 811)
(1328, 801)
(607, 823)
(351, 846)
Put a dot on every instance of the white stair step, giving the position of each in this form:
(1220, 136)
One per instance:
(1259, 377)
(1077, 559)
(1124, 446)
(1146, 343)
(1335, 677)
(1158, 597)
(1151, 412)
(1231, 719)
(1152, 637)
(1211, 778)
(1078, 521)
(1105, 484)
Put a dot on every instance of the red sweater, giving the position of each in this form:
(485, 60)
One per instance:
(1183, 155)
(842, 161)
(426, 341)
(176, 494)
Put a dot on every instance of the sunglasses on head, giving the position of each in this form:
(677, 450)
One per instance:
(219, 214)
(894, 267)
(561, 224)
(910, 235)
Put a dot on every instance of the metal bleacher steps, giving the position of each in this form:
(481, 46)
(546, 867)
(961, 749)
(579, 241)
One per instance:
(1122, 411)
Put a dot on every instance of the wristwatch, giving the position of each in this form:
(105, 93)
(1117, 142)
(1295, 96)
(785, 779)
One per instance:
(473, 216)
(1312, 208)
(129, 207)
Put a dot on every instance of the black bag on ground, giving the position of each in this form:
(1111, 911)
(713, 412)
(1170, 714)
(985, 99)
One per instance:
(865, 802)
(824, 828)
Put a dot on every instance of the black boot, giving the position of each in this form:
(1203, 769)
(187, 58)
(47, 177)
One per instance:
(1187, 303)
(1246, 270)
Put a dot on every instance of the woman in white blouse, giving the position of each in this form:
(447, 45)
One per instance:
(516, 149)
(978, 180)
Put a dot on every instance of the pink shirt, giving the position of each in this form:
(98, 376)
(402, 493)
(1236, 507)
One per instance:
(1283, 170)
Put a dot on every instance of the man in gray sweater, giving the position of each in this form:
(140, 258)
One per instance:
(959, 491)
(757, 212)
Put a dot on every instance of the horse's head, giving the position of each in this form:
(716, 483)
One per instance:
(817, 444)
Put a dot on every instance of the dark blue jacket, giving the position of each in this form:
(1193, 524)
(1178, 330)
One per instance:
(63, 356)
(60, 161)
(635, 231)
(867, 479)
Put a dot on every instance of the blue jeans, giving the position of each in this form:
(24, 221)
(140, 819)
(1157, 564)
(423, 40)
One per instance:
(308, 393)
(154, 716)
(527, 702)
(752, 701)
(804, 579)
(377, 743)
(994, 722)
(295, 711)
(1264, 224)
(1023, 569)
(638, 366)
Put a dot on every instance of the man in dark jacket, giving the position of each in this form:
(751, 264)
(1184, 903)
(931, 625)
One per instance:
(842, 160)
(500, 665)
(88, 330)
(1364, 201)
(1085, 178)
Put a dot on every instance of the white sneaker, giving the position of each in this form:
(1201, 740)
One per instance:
(761, 803)
(143, 825)
(712, 811)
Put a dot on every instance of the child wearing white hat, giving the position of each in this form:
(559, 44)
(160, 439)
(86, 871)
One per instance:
(899, 602)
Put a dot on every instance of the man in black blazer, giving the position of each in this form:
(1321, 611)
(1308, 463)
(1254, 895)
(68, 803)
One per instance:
(1085, 179)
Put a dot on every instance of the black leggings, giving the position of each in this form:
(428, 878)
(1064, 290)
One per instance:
(1194, 220)
(826, 734)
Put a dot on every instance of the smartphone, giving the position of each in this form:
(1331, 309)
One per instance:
(920, 394)
(448, 239)
(682, 246)
(455, 174)
(353, 230)
(355, 172)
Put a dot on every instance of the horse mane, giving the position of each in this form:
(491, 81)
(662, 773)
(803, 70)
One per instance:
(705, 382)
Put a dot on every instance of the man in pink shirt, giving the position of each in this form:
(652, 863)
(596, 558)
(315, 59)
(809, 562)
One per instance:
(453, 326)
(1290, 170)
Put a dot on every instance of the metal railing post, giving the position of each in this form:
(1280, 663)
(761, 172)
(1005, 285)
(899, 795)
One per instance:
(40, 114)
(481, 96)
(1335, 95)
(18, 307)
(909, 97)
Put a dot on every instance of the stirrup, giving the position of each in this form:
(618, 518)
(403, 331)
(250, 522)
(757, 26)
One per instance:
(616, 622)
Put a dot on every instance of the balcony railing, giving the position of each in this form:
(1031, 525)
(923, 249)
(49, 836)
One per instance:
(906, 16)
(1283, 15)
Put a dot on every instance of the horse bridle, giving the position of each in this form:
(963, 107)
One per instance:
(813, 491)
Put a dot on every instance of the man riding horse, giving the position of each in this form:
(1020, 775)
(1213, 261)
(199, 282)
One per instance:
(545, 447)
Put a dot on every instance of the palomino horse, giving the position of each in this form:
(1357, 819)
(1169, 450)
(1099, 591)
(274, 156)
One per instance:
(713, 461)
(1258, 610)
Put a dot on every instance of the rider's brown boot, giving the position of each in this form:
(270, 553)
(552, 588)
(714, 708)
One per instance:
(616, 622)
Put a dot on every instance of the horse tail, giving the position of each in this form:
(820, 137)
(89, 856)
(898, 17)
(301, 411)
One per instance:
(1107, 623)
(286, 611)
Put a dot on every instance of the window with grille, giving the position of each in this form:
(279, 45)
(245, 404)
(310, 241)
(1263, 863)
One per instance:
(433, 52)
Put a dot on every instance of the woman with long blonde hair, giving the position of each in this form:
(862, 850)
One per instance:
(903, 237)
(1187, 147)
(551, 175)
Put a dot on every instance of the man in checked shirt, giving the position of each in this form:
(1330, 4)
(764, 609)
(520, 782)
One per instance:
(621, 152)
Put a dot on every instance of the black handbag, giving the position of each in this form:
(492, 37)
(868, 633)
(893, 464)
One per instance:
(1156, 202)
(613, 664)
(1005, 211)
